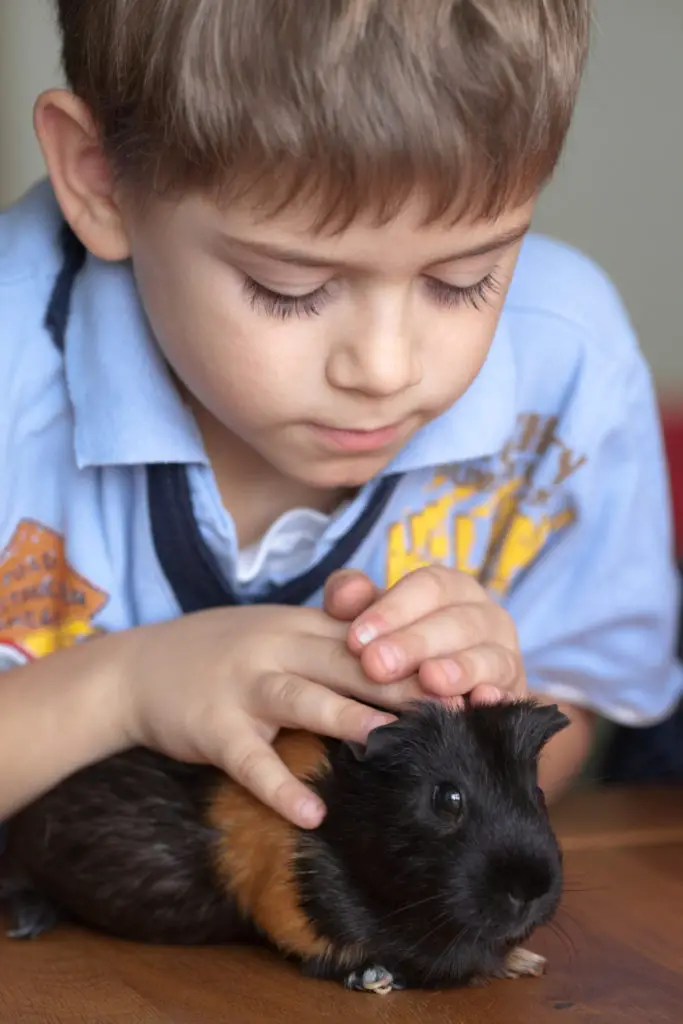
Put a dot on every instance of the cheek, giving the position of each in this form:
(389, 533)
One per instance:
(458, 349)
(233, 360)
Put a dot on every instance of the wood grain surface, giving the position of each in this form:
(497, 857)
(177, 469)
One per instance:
(615, 952)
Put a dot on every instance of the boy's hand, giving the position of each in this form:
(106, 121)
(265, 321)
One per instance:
(436, 622)
(216, 687)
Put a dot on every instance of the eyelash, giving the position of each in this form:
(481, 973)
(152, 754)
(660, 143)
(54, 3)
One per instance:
(282, 307)
(475, 295)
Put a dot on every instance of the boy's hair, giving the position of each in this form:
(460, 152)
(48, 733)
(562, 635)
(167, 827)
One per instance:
(350, 103)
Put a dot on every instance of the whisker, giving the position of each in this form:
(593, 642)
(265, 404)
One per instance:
(440, 922)
(452, 946)
(557, 929)
(410, 906)
(415, 947)
(569, 890)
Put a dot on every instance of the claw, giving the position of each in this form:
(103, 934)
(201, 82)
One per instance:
(375, 979)
(522, 963)
(31, 916)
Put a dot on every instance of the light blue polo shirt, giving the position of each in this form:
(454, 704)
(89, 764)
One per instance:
(546, 480)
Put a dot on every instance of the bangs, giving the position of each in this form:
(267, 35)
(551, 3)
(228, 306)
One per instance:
(351, 106)
(466, 186)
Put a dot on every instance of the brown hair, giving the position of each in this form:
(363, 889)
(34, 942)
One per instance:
(351, 103)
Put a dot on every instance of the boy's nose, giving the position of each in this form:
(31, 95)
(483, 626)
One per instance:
(379, 363)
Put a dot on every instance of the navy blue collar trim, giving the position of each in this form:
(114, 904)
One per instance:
(59, 306)
(189, 563)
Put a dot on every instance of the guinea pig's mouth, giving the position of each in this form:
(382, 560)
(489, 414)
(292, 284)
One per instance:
(516, 936)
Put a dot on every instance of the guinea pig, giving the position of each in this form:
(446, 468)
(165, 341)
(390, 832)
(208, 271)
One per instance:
(435, 861)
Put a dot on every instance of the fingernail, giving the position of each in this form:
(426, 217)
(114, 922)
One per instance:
(390, 657)
(311, 812)
(452, 672)
(365, 633)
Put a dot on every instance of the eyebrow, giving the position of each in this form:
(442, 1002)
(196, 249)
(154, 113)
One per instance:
(304, 259)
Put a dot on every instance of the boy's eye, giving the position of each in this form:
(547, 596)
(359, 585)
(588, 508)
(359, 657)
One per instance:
(283, 306)
(474, 295)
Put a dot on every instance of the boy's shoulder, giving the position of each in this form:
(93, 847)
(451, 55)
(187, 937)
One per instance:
(30, 366)
(573, 343)
(30, 260)
(558, 290)
(29, 239)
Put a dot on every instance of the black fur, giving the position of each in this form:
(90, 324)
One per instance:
(433, 901)
(124, 846)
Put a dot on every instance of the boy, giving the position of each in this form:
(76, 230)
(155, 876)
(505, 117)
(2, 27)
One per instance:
(294, 420)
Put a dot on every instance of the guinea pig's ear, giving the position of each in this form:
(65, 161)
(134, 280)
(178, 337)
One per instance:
(379, 742)
(544, 722)
(357, 749)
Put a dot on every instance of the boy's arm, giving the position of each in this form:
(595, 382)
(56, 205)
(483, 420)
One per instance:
(57, 715)
(598, 615)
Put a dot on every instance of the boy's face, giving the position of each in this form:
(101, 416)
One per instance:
(323, 353)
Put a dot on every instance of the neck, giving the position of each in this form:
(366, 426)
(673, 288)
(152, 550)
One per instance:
(254, 492)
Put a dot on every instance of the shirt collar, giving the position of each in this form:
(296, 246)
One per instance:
(128, 411)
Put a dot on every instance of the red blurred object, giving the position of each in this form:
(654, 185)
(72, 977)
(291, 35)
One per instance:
(672, 419)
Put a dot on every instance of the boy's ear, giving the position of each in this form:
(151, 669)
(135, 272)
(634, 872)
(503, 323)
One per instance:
(80, 173)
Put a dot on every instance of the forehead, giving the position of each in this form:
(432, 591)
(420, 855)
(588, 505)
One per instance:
(291, 236)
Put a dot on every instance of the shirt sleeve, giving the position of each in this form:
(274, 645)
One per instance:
(598, 614)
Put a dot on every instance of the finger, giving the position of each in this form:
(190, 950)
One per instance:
(488, 695)
(294, 702)
(440, 635)
(253, 763)
(489, 665)
(330, 664)
(348, 593)
(328, 661)
(454, 703)
(414, 597)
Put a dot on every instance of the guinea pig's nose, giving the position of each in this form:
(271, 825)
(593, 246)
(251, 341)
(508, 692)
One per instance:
(516, 903)
(520, 897)
(519, 885)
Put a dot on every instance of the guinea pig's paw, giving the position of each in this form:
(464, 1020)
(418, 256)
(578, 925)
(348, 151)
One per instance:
(374, 979)
(30, 916)
(522, 963)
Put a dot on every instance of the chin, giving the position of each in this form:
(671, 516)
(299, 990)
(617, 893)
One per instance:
(349, 473)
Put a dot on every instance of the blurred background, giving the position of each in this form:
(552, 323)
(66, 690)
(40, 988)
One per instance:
(618, 194)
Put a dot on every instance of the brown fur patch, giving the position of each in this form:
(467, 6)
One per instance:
(256, 854)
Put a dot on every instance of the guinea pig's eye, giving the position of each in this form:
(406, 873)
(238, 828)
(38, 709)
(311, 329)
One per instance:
(447, 800)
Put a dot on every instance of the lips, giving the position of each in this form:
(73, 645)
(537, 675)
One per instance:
(359, 440)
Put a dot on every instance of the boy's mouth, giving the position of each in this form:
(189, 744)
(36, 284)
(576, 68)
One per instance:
(359, 440)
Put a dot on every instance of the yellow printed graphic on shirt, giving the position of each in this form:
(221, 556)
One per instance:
(45, 604)
(491, 522)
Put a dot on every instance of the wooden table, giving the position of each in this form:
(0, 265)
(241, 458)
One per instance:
(616, 955)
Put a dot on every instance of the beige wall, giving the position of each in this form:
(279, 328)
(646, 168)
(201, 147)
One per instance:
(619, 192)
(618, 195)
(29, 63)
